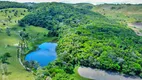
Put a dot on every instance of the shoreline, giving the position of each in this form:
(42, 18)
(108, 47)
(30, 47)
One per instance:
(97, 74)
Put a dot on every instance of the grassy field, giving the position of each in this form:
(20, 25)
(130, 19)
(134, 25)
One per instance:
(123, 13)
(8, 43)
(15, 70)
(10, 16)
(9, 19)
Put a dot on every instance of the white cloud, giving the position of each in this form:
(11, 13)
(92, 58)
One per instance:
(84, 1)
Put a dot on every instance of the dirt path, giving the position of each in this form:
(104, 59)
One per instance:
(19, 58)
(97, 74)
(137, 27)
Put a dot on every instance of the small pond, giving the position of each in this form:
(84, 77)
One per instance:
(137, 25)
(45, 54)
(96, 74)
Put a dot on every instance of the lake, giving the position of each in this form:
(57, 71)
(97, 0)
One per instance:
(97, 74)
(137, 27)
(45, 53)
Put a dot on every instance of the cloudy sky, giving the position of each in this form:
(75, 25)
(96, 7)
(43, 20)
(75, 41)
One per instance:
(82, 1)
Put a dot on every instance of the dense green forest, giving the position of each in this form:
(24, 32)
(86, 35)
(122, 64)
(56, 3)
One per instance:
(85, 37)
(53, 15)
(89, 39)
(7, 4)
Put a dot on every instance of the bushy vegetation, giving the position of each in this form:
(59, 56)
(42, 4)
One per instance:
(7, 4)
(84, 37)
(53, 15)
(109, 48)
(11, 16)
(86, 6)
(88, 39)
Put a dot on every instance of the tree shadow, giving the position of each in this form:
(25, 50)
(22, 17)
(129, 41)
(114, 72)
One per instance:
(8, 73)
(6, 62)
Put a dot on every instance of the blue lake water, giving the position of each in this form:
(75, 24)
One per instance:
(45, 54)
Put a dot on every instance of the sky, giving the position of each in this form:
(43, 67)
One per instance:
(82, 1)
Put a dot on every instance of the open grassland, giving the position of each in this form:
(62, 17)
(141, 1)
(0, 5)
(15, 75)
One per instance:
(9, 43)
(121, 12)
(11, 16)
(15, 70)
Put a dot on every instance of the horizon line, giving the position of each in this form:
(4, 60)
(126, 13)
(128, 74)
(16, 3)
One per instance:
(98, 3)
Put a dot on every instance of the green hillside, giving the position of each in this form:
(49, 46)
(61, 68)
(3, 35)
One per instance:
(87, 35)
(88, 39)
(9, 39)
(84, 6)
(11, 16)
(7, 4)
(121, 12)
(127, 14)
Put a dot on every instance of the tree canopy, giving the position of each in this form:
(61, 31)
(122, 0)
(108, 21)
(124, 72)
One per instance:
(88, 39)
